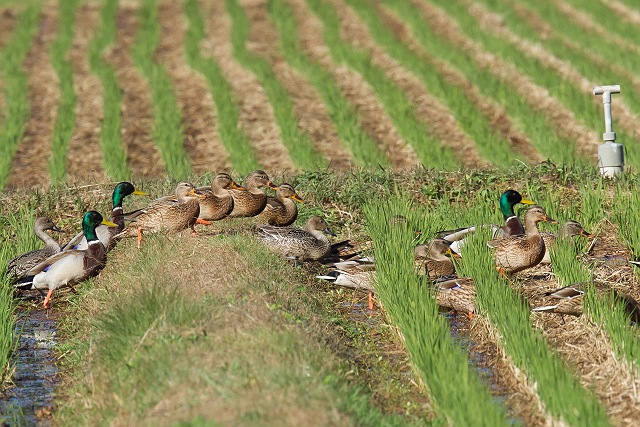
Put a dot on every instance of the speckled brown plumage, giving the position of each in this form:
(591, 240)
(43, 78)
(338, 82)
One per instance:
(252, 201)
(218, 201)
(281, 210)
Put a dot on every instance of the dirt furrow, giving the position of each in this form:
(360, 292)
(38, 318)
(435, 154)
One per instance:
(312, 114)
(429, 109)
(7, 25)
(29, 167)
(84, 158)
(498, 118)
(256, 112)
(198, 110)
(494, 23)
(373, 119)
(538, 96)
(143, 155)
(623, 11)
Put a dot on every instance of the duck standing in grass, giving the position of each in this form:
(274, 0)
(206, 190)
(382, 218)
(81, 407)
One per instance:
(517, 253)
(297, 244)
(568, 230)
(434, 259)
(252, 201)
(21, 264)
(218, 201)
(281, 210)
(167, 214)
(105, 234)
(70, 267)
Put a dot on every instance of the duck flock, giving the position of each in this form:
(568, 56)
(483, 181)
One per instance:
(516, 246)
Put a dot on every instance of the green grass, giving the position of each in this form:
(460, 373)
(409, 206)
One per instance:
(241, 155)
(344, 116)
(115, 158)
(456, 391)
(298, 143)
(168, 129)
(16, 104)
(396, 103)
(66, 117)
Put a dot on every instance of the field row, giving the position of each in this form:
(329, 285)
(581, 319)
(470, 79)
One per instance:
(117, 89)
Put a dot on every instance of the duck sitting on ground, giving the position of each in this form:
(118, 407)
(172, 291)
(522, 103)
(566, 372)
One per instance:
(218, 201)
(517, 253)
(167, 214)
(281, 210)
(252, 201)
(568, 230)
(297, 244)
(69, 267)
(21, 264)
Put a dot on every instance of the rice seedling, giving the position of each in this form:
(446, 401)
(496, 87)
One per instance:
(533, 122)
(168, 130)
(362, 146)
(456, 391)
(298, 143)
(428, 148)
(115, 158)
(16, 104)
(241, 155)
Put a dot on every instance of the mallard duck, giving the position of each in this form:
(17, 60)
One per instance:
(252, 201)
(512, 225)
(298, 244)
(218, 201)
(435, 258)
(281, 210)
(517, 253)
(19, 265)
(105, 234)
(167, 214)
(69, 267)
(568, 230)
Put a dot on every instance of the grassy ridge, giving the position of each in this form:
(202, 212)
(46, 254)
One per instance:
(168, 130)
(395, 101)
(360, 144)
(115, 158)
(298, 143)
(241, 155)
(456, 390)
(16, 104)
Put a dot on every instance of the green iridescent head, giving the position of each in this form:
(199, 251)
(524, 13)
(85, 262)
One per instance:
(122, 190)
(90, 221)
(508, 200)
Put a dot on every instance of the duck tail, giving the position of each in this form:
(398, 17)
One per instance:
(24, 282)
(548, 308)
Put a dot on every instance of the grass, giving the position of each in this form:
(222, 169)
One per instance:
(344, 116)
(16, 104)
(396, 103)
(66, 117)
(298, 143)
(115, 158)
(168, 130)
(241, 155)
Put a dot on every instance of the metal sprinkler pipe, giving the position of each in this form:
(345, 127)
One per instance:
(610, 154)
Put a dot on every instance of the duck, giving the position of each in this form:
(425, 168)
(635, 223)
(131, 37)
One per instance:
(218, 201)
(281, 210)
(252, 201)
(512, 225)
(67, 268)
(20, 265)
(106, 234)
(167, 214)
(434, 259)
(309, 244)
(569, 229)
(516, 253)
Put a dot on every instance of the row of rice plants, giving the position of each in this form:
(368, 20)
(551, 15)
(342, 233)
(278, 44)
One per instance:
(579, 56)
(298, 143)
(428, 148)
(242, 157)
(66, 117)
(580, 103)
(490, 145)
(168, 130)
(344, 116)
(560, 392)
(456, 391)
(115, 158)
(16, 104)
(543, 136)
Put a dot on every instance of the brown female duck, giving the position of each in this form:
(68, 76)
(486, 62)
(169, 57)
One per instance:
(435, 257)
(298, 244)
(19, 266)
(218, 201)
(252, 201)
(281, 210)
(568, 230)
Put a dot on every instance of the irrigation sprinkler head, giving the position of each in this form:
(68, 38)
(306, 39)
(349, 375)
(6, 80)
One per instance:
(610, 154)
